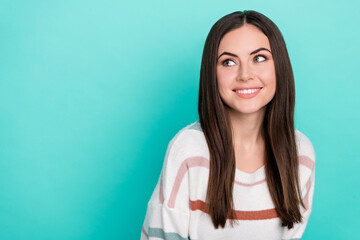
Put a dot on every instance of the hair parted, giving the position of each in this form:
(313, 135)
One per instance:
(281, 165)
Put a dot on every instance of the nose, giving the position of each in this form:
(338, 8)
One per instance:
(245, 73)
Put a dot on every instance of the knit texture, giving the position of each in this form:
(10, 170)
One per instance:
(177, 210)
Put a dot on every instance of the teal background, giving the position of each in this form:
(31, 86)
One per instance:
(91, 92)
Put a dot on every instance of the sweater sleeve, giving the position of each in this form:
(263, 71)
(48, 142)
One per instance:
(167, 215)
(307, 176)
(299, 228)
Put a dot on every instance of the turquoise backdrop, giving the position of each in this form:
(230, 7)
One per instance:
(91, 92)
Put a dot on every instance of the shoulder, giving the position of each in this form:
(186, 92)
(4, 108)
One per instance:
(183, 151)
(306, 156)
(189, 134)
(304, 145)
(188, 141)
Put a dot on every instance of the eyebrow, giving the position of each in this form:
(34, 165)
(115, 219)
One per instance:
(253, 52)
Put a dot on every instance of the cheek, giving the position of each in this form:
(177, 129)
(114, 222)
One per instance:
(225, 78)
(269, 78)
(223, 83)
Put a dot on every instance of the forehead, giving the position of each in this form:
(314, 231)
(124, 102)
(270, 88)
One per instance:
(244, 40)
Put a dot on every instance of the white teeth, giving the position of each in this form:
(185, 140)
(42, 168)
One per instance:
(248, 91)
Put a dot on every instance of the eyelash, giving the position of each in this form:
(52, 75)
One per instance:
(233, 61)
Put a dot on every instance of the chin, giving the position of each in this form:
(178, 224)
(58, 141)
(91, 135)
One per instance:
(255, 110)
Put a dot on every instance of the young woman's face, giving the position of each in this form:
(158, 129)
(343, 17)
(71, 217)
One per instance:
(245, 70)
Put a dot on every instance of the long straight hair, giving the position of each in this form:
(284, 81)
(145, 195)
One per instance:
(281, 164)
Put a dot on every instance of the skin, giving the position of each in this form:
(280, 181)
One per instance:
(246, 70)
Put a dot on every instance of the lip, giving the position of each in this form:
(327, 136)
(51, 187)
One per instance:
(244, 88)
(247, 96)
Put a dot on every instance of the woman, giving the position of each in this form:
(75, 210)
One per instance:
(242, 171)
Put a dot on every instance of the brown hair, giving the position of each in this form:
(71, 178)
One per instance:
(281, 164)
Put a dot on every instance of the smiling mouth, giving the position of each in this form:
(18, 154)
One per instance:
(247, 91)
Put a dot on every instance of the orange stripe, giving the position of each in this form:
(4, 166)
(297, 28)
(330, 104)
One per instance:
(239, 215)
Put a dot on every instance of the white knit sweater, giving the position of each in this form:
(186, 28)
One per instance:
(176, 209)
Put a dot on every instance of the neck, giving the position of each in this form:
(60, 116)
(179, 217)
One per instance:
(247, 129)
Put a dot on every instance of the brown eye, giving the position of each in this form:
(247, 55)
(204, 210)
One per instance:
(227, 62)
(260, 58)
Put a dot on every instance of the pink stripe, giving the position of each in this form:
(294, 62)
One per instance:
(250, 184)
(143, 230)
(184, 167)
(199, 161)
(306, 198)
(303, 160)
(307, 162)
(161, 194)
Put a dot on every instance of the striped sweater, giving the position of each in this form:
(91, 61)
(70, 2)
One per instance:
(177, 209)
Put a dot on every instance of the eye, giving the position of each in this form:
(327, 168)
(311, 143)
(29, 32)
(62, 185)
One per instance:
(227, 62)
(260, 58)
